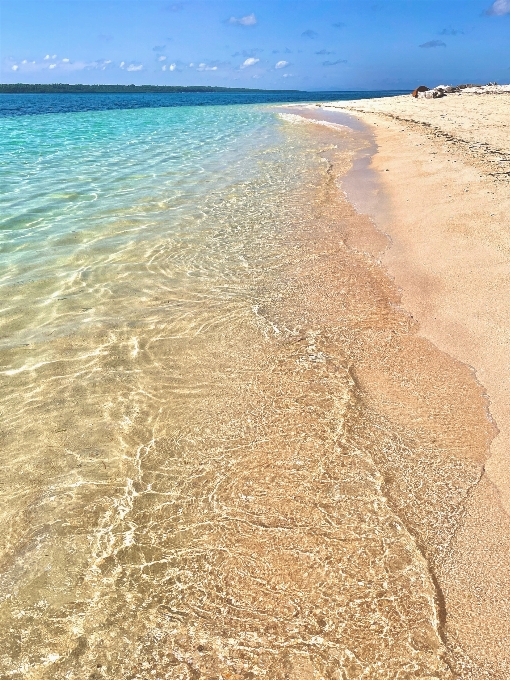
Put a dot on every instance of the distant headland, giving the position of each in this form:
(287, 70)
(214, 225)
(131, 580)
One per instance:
(54, 88)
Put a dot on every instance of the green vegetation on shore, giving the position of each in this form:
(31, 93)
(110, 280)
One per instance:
(25, 88)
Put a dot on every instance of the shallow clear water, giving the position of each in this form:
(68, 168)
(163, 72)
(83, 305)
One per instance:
(197, 467)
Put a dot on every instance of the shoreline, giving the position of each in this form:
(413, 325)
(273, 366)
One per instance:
(439, 163)
(278, 483)
(229, 513)
(410, 387)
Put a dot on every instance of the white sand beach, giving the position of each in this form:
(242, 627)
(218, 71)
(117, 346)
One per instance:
(444, 165)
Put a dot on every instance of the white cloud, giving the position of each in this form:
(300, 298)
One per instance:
(499, 8)
(172, 67)
(100, 63)
(248, 20)
(15, 67)
(161, 58)
(163, 68)
(47, 56)
(65, 65)
(204, 67)
(122, 64)
(191, 65)
(135, 67)
(249, 62)
(281, 64)
(288, 75)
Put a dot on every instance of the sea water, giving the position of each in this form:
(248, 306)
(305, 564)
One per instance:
(196, 465)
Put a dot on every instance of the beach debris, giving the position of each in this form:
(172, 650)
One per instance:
(421, 88)
(435, 93)
(466, 88)
(427, 93)
(490, 88)
(432, 93)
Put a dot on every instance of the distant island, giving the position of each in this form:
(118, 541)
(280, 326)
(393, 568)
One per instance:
(54, 88)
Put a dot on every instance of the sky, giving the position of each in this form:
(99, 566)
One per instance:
(275, 44)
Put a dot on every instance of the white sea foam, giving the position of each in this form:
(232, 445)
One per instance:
(299, 120)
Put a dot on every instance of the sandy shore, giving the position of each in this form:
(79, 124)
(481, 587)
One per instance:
(445, 166)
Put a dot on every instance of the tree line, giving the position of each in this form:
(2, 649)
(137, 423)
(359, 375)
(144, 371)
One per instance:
(25, 88)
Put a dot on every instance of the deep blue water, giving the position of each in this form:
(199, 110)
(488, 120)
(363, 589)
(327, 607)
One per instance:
(34, 104)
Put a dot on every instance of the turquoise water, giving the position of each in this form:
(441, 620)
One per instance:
(89, 194)
(188, 484)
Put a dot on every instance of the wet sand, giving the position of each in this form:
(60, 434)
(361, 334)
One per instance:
(444, 169)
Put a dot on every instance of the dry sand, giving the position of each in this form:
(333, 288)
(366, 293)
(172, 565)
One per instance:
(445, 166)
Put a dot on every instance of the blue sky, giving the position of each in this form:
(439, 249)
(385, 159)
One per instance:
(291, 44)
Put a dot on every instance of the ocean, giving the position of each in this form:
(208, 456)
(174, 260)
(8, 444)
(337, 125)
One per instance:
(205, 470)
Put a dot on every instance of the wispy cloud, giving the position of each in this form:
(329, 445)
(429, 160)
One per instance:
(131, 67)
(248, 20)
(324, 52)
(206, 67)
(433, 43)
(498, 8)
(309, 34)
(101, 64)
(288, 75)
(65, 65)
(281, 64)
(334, 63)
(251, 61)
(161, 58)
(450, 31)
(47, 57)
(249, 53)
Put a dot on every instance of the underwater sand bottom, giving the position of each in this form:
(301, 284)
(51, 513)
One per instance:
(291, 489)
